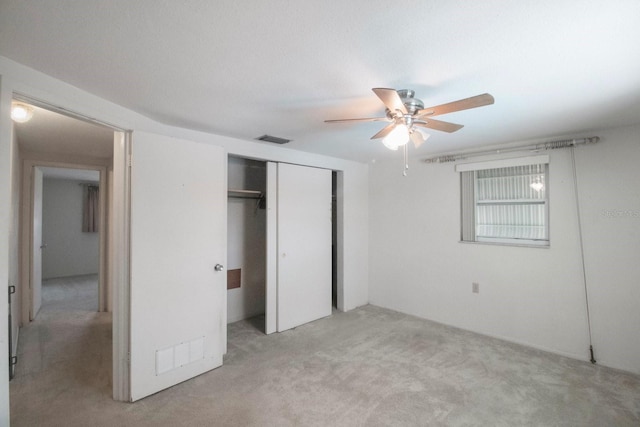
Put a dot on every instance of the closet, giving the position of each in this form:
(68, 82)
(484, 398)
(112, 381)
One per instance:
(281, 241)
(246, 239)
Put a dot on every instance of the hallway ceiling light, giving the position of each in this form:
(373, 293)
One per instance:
(21, 112)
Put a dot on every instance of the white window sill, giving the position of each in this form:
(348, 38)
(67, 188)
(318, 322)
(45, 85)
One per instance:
(519, 245)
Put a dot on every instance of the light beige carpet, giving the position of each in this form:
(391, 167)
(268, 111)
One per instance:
(367, 367)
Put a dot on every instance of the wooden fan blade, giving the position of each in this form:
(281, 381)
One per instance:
(371, 119)
(391, 99)
(438, 125)
(385, 131)
(462, 104)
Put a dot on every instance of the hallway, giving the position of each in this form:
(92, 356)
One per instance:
(64, 355)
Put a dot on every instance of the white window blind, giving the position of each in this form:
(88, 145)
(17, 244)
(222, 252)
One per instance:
(506, 204)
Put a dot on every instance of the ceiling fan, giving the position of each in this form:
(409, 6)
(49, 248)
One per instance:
(407, 115)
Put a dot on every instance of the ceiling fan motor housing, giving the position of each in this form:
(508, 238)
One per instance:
(410, 103)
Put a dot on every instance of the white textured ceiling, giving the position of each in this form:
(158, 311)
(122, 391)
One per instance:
(246, 68)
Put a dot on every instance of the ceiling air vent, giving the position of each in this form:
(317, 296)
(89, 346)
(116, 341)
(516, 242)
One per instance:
(274, 139)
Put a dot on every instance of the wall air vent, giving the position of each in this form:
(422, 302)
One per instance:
(274, 139)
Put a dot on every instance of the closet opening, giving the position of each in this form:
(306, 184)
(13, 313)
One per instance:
(246, 240)
(283, 258)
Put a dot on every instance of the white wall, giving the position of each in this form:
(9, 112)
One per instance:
(7, 258)
(610, 204)
(354, 175)
(533, 296)
(18, 78)
(14, 238)
(69, 251)
(246, 237)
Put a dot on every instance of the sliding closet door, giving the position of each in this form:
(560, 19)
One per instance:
(271, 279)
(178, 235)
(304, 245)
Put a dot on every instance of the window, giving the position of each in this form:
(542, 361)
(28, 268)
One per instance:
(90, 209)
(506, 201)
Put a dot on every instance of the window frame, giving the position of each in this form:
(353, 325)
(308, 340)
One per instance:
(469, 201)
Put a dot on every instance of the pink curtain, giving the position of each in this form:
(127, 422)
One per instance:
(90, 215)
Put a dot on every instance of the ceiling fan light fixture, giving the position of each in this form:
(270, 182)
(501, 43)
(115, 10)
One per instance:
(398, 137)
(424, 134)
(405, 114)
(21, 112)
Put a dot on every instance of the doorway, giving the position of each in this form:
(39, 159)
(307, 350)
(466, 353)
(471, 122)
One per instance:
(70, 155)
(246, 241)
(66, 239)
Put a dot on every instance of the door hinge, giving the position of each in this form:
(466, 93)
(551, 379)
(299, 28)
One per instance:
(13, 361)
(130, 160)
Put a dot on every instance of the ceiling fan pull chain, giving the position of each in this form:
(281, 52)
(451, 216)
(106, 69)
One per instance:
(405, 150)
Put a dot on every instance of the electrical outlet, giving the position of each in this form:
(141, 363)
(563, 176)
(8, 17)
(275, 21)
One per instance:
(475, 288)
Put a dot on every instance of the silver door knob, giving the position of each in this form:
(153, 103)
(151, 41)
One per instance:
(219, 267)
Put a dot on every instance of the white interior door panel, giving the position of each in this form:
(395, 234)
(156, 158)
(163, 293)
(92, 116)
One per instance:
(178, 235)
(37, 244)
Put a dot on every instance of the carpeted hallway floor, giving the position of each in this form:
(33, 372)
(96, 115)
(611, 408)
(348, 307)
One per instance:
(367, 367)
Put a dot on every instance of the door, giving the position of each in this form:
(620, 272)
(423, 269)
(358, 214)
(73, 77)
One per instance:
(36, 245)
(304, 245)
(271, 279)
(178, 236)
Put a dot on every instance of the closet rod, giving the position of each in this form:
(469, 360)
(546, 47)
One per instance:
(245, 194)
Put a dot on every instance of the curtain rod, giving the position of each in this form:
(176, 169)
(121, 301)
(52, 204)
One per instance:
(551, 145)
